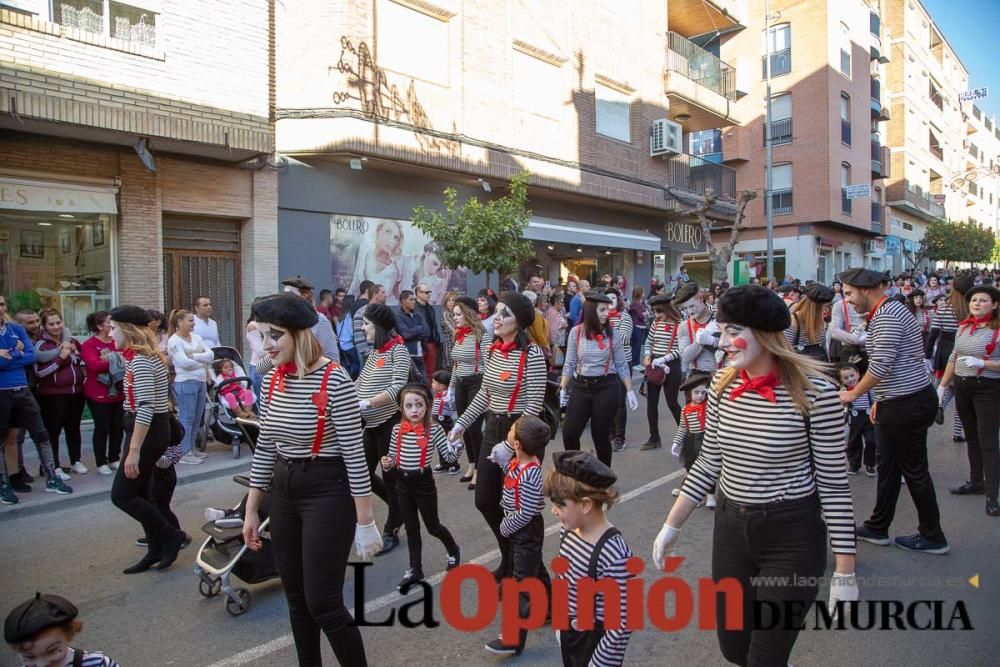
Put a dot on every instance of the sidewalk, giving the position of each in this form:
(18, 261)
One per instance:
(94, 487)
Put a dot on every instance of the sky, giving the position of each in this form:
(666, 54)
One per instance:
(970, 27)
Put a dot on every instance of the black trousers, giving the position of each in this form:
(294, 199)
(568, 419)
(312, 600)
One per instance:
(161, 492)
(312, 530)
(594, 399)
(977, 400)
(670, 389)
(785, 539)
(18, 408)
(109, 419)
(901, 441)
(860, 441)
(465, 390)
(61, 413)
(577, 646)
(376, 441)
(418, 499)
(621, 414)
(526, 561)
(134, 496)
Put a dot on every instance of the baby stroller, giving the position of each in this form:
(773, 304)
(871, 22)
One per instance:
(224, 554)
(220, 421)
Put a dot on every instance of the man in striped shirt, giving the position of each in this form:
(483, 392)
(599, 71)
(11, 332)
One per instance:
(905, 405)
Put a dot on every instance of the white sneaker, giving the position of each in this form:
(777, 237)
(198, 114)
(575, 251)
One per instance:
(212, 514)
(79, 468)
(62, 475)
(199, 454)
(676, 492)
(710, 502)
(105, 470)
(191, 460)
(113, 465)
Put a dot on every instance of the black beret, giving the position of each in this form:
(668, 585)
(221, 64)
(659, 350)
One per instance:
(597, 297)
(520, 306)
(989, 290)
(755, 307)
(285, 310)
(381, 316)
(963, 283)
(864, 278)
(686, 291)
(584, 467)
(37, 614)
(819, 293)
(695, 380)
(660, 300)
(298, 282)
(130, 315)
(468, 302)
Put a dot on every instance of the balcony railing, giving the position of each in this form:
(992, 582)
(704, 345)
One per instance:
(876, 159)
(845, 203)
(845, 131)
(875, 24)
(697, 64)
(876, 213)
(905, 193)
(781, 201)
(781, 132)
(695, 174)
(936, 151)
(781, 63)
(877, 227)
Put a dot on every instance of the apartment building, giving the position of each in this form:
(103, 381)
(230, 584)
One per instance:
(134, 156)
(382, 104)
(978, 185)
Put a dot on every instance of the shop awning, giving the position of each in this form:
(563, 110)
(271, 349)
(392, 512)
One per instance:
(22, 194)
(556, 230)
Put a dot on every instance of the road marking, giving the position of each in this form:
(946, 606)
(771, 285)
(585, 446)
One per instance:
(279, 643)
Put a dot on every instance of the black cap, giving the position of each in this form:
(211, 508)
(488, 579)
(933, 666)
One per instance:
(696, 380)
(755, 307)
(468, 302)
(520, 306)
(285, 310)
(37, 614)
(819, 293)
(381, 316)
(660, 300)
(597, 297)
(993, 292)
(686, 291)
(130, 315)
(584, 467)
(298, 282)
(863, 278)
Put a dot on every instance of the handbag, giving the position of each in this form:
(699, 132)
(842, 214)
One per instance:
(655, 375)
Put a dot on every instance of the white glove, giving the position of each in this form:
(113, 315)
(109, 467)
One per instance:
(862, 338)
(364, 404)
(973, 362)
(851, 339)
(633, 402)
(456, 433)
(707, 335)
(163, 462)
(558, 639)
(664, 544)
(660, 362)
(929, 363)
(456, 448)
(940, 392)
(367, 540)
(563, 398)
(843, 586)
(501, 454)
(676, 450)
(449, 396)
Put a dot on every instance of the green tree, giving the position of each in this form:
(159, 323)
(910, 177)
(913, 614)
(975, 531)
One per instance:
(957, 242)
(480, 237)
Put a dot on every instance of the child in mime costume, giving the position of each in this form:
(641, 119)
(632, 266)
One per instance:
(691, 430)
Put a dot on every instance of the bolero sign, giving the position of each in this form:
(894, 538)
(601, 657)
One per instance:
(684, 234)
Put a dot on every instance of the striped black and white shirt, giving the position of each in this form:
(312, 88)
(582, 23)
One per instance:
(797, 337)
(700, 357)
(944, 317)
(96, 659)
(924, 317)
(468, 358)
(289, 419)
(522, 498)
(443, 408)
(587, 358)
(610, 651)
(895, 351)
(413, 452)
(663, 340)
(386, 371)
(361, 343)
(759, 452)
(499, 382)
(621, 322)
(862, 403)
(147, 388)
(690, 423)
(327, 339)
(973, 344)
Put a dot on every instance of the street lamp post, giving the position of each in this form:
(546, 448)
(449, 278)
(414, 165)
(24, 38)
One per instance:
(973, 175)
(767, 141)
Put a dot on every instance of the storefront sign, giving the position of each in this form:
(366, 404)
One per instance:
(892, 246)
(908, 245)
(684, 234)
(25, 195)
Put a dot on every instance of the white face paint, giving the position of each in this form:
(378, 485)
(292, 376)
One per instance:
(693, 308)
(699, 394)
(740, 345)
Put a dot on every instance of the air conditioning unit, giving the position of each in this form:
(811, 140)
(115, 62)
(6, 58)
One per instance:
(667, 137)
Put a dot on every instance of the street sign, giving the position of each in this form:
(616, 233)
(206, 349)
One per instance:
(938, 199)
(862, 191)
(974, 94)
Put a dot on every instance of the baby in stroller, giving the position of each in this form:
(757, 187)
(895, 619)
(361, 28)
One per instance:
(236, 395)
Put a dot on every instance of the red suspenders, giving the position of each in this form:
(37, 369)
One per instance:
(515, 482)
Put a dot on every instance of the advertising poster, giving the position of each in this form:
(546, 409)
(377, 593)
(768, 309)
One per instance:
(391, 253)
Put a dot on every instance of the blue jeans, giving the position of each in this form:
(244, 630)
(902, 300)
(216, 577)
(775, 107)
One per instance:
(190, 396)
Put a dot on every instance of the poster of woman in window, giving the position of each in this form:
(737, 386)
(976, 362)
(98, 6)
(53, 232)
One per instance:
(391, 253)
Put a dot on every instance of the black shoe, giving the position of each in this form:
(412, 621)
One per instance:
(142, 541)
(148, 561)
(853, 470)
(939, 416)
(465, 478)
(410, 576)
(171, 547)
(26, 476)
(454, 470)
(472, 487)
(871, 471)
(921, 544)
(652, 443)
(992, 507)
(19, 482)
(390, 540)
(454, 560)
(958, 438)
(967, 489)
(499, 648)
(618, 445)
(439, 468)
(870, 536)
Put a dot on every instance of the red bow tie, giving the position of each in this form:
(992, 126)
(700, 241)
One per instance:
(503, 348)
(409, 427)
(614, 313)
(600, 340)
(483, 316)
(698, 409)
(973, 322)
(763, 385)
(128, 354)
(461, 333)
(281, 371)
(395, 340)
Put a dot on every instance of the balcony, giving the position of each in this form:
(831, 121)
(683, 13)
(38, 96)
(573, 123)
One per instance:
(699, 85)
(876, 160)
(736, 144)
(781, 132)
(781, 63)
(845, 131)
(695, 174)
(845, 203)
(936, 151)
(698, 17)
(902, 194)
(876, 105)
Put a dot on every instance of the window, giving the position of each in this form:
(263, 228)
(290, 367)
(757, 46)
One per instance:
(706, 144)
(845, 180)
(781, 188)
(399, 28)
(845, 118)
(613, 113)
(935, 95)
(845, 51)
(908, 226)
(778, 42)
(134, 21)
(537, 85)
(781, 120)
(934, 145)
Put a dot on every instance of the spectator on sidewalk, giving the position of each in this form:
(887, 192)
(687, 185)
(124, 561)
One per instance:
(206, 328)
(60, 387)
(432, 344)
(374, 294)
(576, 305)
(538, 332)
(255, 343)
(323, 329)
(412, 327)
(325, 303)
(158, 325)
(190, 357)
(103, 393)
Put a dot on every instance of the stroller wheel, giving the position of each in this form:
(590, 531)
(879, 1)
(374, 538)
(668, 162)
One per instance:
(210, 588)
(240, 606)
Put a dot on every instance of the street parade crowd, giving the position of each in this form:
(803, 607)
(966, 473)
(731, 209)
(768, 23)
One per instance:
(779, 392)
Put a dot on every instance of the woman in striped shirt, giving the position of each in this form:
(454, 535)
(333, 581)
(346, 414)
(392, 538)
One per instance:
(513, 385)
(386, 371)
(915, 304)
(147, 435)
(807, 333)
(975, 369)
(468, 358)
(309, 454)
(774, 441)
(621, 322)
(486, 304)
(662, 352)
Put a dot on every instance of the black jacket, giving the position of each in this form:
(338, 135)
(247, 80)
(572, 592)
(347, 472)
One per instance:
(413, 329)
(430, 317)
